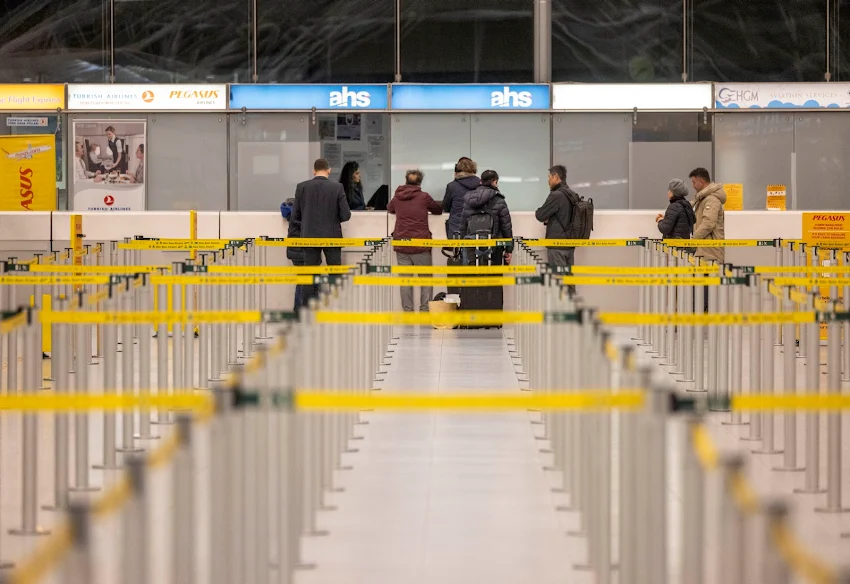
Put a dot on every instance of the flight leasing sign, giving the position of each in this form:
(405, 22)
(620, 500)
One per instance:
(28, 173)
(147, 97)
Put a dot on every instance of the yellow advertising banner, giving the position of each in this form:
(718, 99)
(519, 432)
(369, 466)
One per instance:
(28, 173)
(734, 197)
(776, 198)
(28, 97)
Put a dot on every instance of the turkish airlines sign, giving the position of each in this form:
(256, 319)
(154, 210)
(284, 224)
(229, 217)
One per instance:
(147, 97)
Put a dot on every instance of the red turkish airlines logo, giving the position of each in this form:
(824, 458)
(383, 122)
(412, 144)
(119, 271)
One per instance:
(108, 200)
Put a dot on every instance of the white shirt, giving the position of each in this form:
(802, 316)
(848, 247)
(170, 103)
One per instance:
(80, 171)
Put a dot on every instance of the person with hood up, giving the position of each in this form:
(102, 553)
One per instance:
(350, 179)
(488, 202)
(710, 218)
(411, 206)
(679, 219)
(294, 254)
(465, 182)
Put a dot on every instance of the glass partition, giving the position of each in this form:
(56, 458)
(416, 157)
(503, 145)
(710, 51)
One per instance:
(822, 160)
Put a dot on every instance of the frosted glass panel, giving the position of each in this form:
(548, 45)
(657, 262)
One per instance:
(754, 149)
(517, 146)
(271, 155)
(186, 157)
(823, 161)
(431, 143)
(595, 150)
(653, 164)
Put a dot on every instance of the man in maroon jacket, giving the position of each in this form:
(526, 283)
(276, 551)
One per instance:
(411, 206)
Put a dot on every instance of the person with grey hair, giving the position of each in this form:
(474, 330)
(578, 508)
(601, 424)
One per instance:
(679, 219)
(411, 206)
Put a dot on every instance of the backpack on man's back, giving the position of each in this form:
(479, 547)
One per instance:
(581, 222)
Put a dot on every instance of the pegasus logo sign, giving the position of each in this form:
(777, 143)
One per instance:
(508, 98)
(347, 98)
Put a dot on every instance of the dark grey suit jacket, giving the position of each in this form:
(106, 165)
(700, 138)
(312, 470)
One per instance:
(321, 206)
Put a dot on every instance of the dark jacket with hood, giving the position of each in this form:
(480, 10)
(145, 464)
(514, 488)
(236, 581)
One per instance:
(557, 213)
(453, 200)
(411, 206)
(493, 202)
(679, 220)
(296, 254)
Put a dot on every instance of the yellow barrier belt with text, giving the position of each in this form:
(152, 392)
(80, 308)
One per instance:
(717, 243)
(756, 318)
(193, 280)
(646, 271)
(464, 270)
(456, 318)
(121, 270)
(152, 317)
(320, 242)
(280, 270)
(54, 280)
(449, 242)
(583, 242)
(429, 281)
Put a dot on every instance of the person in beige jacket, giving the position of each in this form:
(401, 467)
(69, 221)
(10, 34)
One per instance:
(708, 208)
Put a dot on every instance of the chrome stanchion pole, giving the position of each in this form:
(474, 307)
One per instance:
(204, 293)
(110, 383)
(145, 304)
(29, 433)
(713, 385)
(189, 340)
(81, 419)
(768, 351)
(722, 363)
(789, 378)
(128, 377)
(162, 387)
(183, 486)
(833, 422)
(732, 552)
(775, 570)
(812, 418)
(78, 563)
(134, 526)
(736, 381)
(61, 350)
(754, 333)
(693, 508)
(177, 345)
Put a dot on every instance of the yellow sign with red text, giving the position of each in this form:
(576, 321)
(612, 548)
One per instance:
(28, 173)
(826, 229)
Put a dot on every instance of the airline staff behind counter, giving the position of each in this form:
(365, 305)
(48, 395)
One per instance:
(116, 148)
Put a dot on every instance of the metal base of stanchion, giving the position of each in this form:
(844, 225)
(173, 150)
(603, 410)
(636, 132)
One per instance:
(768, 452)
(140, 437)
(162, 422)
(566, 509)
(577, 533)
(547, 451)
(305, 567)
(87, 489)
(104, 467)
(826, 510)
(785, 469)
(53, 508)
(683, 380)
(734, 423)
(22, 532)
(696, 390)
(809, 491)
(317, 533)
(129, 450)
(752, 439)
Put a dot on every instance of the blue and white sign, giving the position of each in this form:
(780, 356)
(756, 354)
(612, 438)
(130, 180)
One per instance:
(470, 97)
(782, 95)
(305, 97)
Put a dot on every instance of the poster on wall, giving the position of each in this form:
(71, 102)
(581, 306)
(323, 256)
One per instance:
(776, 198)
(327, 127)
(29, 125)
(28, 173)
(348, 127)
(734, 197)
(108, 170)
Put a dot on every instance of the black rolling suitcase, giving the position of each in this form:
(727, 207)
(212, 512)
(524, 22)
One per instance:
(482, 297)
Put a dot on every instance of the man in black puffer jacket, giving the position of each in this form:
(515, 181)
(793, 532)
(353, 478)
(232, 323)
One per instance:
(465, 182)
(679, 219)
(557, 214)
(487, 199)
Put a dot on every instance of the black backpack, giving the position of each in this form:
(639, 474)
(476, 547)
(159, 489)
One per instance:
(481, 221)
(581, 223)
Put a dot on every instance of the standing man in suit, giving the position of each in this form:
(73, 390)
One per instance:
(321, 207)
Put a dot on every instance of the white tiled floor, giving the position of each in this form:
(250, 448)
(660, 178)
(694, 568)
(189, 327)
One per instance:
(443, 497)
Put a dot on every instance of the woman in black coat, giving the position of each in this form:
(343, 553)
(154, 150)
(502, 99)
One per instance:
(350, 179)
(679, 219)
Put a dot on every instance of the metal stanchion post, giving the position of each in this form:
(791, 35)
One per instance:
(775, 570)
(29, 434)
(736, 379)
(812, 419)
(81, 419)
(789, 379)
(222, 532)
(162, 387)
(732, 553)
(693, 508)
(204, 293)
(713, 385)
(177, 334)
(134, 526)
(110, 383)
(183, 486)
(768, 352)
(699, 339)
(78, 563)
(62, 359)
(145, 304)
(189, 340)
(833, 422)
(754, 333)
(128, 377)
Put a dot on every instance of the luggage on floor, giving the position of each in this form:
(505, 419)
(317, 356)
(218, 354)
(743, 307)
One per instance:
(482, 297)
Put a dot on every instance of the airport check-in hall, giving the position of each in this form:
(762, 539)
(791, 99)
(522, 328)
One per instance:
(288, 329)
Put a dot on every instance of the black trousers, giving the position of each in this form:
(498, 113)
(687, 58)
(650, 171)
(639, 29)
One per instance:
(313, 257)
